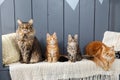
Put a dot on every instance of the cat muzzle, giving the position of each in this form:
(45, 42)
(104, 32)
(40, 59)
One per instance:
(25, 31)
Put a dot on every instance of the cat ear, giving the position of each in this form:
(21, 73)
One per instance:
(30, 21)
(19, 21)
(112, 48)
(76, 37)
(103, 49)
(54, 34)
(69, 37)
(47, 35)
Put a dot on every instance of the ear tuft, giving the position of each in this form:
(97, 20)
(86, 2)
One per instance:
(55, 35)
(19, 22)
(47, 35)
(30, 21)
(112, 48)
(103, 49)
(76, 37)
(69, 37)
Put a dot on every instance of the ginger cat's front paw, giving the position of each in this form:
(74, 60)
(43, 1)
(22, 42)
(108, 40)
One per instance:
(106, 68)
(54, 59)
(49, 59)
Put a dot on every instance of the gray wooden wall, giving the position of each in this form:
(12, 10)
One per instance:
(90, 19)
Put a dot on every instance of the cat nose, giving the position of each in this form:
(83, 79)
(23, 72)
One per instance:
(25, 31)
(73, 51)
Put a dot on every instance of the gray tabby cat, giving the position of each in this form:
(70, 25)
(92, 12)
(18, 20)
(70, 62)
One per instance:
(73, 49)
(28, 44)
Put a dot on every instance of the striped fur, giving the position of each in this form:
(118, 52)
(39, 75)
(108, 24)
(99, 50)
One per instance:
(28, 43)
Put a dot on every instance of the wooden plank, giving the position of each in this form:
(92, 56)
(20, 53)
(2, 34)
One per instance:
(101, 18)
(40, 20)
(23, 10)
(71, 21)
(55, 20)
(4, 75)
(0, 41)
(114, 22)
(86, 22)
(7, 17)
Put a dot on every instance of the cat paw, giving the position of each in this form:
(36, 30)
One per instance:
(106, 68)
(49, 61)
(54, 61)
(21, 61)
(69, 61)
(27, 62)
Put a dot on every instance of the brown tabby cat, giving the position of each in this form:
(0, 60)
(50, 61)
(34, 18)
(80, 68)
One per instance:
(103, 55)
(73, 49)
(52, 52)
(28, 43)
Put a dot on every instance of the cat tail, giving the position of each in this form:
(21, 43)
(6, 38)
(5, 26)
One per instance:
(63, 58)
(87, 57)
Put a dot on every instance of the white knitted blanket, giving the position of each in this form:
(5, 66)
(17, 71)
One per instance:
(62, 70)
(112, 39)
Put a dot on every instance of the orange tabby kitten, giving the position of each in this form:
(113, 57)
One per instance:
(52, 48)
(103, 55)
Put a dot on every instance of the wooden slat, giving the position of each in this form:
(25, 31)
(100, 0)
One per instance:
(86, 22)
(0, 41)
(4, 75)
(40, 20)
(7, 17)
(55, 20)
(114, 22)
(101, 18)
(71, 22)
(22, 10)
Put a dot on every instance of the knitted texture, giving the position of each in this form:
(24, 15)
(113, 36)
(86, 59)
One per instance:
(84, 69)
(10, 50)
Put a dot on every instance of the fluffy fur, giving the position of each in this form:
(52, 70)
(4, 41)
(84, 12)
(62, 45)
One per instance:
(73, 49)
(28, 44)
(52, 52)
(103, 55)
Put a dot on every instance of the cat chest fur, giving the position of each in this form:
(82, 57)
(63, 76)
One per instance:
(72, 48)
(52, 50)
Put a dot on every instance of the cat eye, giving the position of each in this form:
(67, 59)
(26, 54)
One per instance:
(72, 48)
(30, 27)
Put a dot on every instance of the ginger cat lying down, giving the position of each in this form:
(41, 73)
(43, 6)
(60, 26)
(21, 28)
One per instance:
(103, 55)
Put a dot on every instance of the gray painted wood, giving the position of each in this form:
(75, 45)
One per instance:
(71, 22)
(57, 16)
(101, 18)
(4, 75)
(115, 15)
(40, 20)
(7, 17)
(55, 20)
(23, 10)
(86, 22)
(0, 41)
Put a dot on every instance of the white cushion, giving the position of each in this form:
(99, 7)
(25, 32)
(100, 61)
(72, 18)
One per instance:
(10, 50)
(112, 39)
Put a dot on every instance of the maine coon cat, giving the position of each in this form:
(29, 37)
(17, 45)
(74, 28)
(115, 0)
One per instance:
(73, 49)
(30, 49)
(103, 55)
(52, 52)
